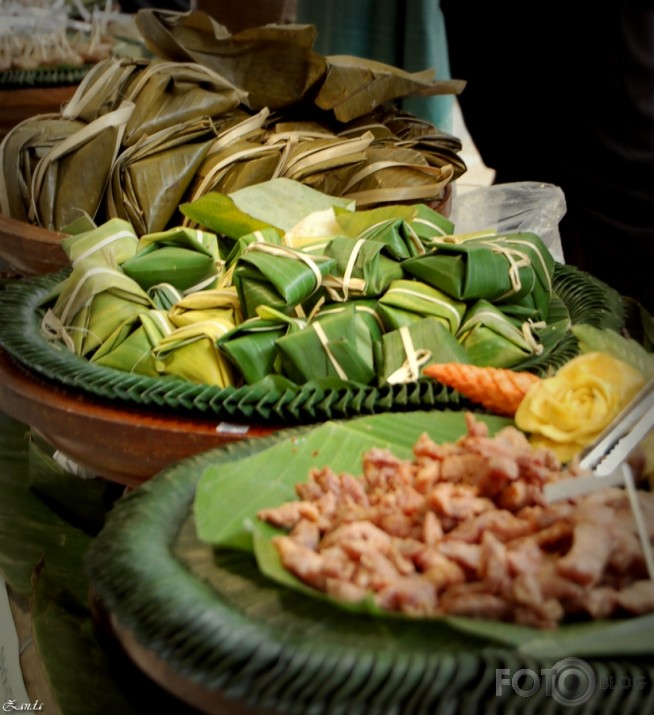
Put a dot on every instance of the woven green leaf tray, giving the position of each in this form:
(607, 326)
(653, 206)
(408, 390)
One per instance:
(209, 626)
(586, 300)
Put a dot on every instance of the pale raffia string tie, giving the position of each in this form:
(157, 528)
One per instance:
(409, 371)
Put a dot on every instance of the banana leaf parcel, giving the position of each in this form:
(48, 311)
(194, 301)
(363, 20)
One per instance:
(203, 305)
(362, 270)
(91, 303)
(494, 339)
(406, 229)
(252, 345)
(407, 301)
(20, 152)
(279, 277)
(186, 258)
(114, 242)
(167, 94)
(71, 179)
(274, 64)
(150, 179)
(191, 352)
(402, 353)
(338, 345)
(504, 269)
(130, 347)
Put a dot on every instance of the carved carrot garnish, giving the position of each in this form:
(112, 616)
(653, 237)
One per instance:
(499, 390)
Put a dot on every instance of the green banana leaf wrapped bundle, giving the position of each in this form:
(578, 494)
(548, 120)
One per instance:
(266, 235)
(187, 258)
(150, 179)
(251, 346)
(191, 352)
(113, 242)
(164, 296)
(90, 304)
(407, 301)
(279, 277)
(362, 270)
(402, 354)
(203, 305)
(511, 270)
(167, 94)
(20, 152)
(494, 339)
(406, 229)
(84, 159)
(130, 347)
(338, 345)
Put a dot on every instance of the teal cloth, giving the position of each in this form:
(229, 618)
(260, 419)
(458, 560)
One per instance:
(409, 35)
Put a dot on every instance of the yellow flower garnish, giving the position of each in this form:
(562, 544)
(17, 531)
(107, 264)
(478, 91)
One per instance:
(567, 411)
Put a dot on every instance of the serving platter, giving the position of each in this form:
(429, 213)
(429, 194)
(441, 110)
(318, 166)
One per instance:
(207, 624)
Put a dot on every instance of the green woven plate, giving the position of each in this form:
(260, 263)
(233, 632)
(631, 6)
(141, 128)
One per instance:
(214, 618)
(585, 299)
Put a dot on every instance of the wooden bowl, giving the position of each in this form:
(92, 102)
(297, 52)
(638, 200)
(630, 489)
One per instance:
(118, 443)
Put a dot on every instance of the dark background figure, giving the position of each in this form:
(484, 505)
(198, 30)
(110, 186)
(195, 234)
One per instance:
(568, 98)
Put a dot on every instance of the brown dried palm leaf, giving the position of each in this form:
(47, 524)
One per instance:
(274, 64)
(150, 179)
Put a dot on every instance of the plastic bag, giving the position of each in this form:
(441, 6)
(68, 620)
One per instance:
(521, 206)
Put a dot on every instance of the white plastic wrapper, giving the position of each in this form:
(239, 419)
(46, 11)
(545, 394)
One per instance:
(521, 206)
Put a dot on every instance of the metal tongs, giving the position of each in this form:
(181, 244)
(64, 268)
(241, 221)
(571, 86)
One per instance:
(608, 460)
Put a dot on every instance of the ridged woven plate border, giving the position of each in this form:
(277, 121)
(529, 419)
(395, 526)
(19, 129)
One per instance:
(587, 300)
(216, 621)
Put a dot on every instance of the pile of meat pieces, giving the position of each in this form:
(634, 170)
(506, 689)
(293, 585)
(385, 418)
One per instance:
(463, 529)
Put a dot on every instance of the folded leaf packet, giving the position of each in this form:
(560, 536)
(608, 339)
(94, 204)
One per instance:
(91, 303)
(407, 301)
(113, 243)
(505, 269)
(278, 277)
(186, 258)
(129, 347)
(494, 339)
(338, 345)
(402, 353)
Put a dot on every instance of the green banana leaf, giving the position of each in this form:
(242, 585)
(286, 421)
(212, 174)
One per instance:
(362, 270)
(115, 241)
(336, 345)
(503, 269)
(278, 276)
(406, 301)
(130, 346)
(402, 353)
(90, 304)
(186, 258)
(492, 339)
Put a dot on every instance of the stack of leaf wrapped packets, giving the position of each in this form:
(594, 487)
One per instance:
(281, 279)
(215, 111)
